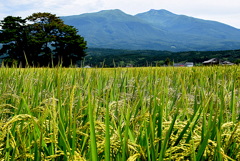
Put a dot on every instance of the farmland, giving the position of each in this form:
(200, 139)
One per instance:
(154, 113)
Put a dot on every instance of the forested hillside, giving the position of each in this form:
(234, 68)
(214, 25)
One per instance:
(153, 30)
(112, 57)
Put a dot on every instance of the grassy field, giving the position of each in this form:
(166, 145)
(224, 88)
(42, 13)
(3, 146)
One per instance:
(120, 114)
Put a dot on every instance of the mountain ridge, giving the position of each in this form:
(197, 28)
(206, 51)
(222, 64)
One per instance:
(155, 30)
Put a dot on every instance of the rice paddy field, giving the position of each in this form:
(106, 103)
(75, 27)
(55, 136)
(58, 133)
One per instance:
(119, 114)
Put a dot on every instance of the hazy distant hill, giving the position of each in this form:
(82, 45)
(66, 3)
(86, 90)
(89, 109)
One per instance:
(155, 29)
(188, 25)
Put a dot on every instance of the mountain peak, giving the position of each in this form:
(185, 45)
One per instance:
(160, 12)
(112, 11)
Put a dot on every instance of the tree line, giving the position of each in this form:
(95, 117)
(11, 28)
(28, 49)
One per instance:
(97, 57)
(41, 39)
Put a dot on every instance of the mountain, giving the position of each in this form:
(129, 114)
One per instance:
(115, 29)
(155, 29)
(189, 25)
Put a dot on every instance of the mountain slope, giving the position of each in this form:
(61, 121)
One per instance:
(155, 29)
(189, 25)
(115, 29)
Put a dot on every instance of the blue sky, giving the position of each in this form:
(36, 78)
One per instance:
(225, 11)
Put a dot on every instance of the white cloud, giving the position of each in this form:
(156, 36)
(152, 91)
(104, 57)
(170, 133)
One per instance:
(76, 7)
(19, 3)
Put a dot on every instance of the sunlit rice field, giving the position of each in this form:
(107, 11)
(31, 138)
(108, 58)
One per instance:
(119, 114)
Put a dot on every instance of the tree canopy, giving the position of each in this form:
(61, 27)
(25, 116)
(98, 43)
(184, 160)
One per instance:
(41, 39)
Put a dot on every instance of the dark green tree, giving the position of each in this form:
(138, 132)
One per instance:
(237, 61)
(168, 62)
(13, 36)
(68, 46)
(44, 40)
(43, 32)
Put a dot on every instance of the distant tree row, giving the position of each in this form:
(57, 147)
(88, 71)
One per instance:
(118, 57)
(41, 39)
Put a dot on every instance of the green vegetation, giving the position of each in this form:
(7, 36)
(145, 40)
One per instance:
(120, 58)
(153, 30)
(41, 39)
(120, 113)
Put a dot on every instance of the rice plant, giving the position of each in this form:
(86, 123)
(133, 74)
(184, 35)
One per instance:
(163, 113)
